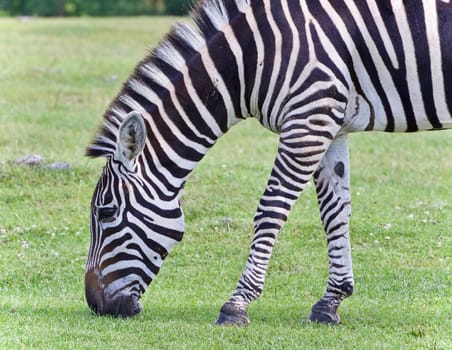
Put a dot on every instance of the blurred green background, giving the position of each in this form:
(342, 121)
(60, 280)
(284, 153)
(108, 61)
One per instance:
(49, 8)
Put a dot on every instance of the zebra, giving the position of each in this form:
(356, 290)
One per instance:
(312, 71)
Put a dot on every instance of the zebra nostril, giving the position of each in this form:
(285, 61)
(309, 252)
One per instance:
(129, 306)
(122, 305)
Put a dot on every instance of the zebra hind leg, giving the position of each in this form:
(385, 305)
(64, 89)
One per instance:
(333, 192)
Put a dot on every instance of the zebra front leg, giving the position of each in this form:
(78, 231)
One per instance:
(332, 180)
(267, 224)
(299, 154)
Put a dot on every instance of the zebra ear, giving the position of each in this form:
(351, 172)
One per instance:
(132, 137)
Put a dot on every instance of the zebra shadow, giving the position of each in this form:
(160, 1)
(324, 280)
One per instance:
(288, 316)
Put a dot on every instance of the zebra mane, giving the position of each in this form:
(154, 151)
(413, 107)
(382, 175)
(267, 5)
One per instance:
(183, 40)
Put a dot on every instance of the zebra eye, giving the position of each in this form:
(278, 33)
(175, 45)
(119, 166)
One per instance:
(106, 214)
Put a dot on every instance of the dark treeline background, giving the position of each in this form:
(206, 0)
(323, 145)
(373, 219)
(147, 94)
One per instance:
(94, 7)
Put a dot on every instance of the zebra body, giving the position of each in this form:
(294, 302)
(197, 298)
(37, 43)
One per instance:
(312, 71)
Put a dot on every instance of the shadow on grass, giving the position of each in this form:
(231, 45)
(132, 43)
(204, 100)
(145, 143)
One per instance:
(71, 312)
(288, 316)
(196, 315)
(353, 316)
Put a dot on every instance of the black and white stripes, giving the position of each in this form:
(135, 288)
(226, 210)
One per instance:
(312, 71)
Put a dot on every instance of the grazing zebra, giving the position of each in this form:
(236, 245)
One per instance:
(311, 71)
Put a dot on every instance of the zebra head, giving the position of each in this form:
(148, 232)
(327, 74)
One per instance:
(132, 228)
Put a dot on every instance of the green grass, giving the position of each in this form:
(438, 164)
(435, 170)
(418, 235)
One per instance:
(56, 78)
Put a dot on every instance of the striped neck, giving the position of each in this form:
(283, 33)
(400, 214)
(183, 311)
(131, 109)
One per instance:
(189, 94)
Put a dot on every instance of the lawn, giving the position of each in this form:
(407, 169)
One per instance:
(56, 78)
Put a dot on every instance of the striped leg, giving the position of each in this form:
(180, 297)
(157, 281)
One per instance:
(299, 153)
(333, 191)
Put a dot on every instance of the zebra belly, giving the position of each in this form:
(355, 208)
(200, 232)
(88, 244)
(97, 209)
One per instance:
(364, 113)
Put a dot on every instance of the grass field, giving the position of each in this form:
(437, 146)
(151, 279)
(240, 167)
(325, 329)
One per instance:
(56, 78)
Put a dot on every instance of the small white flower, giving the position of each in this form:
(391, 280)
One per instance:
(410, 217)
(387, 226)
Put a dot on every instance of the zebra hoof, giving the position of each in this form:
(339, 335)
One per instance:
(325, 312)
(231, 315)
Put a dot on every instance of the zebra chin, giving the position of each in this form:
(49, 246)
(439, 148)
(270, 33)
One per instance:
(102, 304)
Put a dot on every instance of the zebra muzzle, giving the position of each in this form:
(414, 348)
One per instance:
(123, 305)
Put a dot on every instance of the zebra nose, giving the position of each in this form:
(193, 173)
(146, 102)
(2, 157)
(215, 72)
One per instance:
(124, 305)
(93, 292)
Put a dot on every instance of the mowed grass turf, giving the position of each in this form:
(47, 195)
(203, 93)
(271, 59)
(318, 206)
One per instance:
(56, 78)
